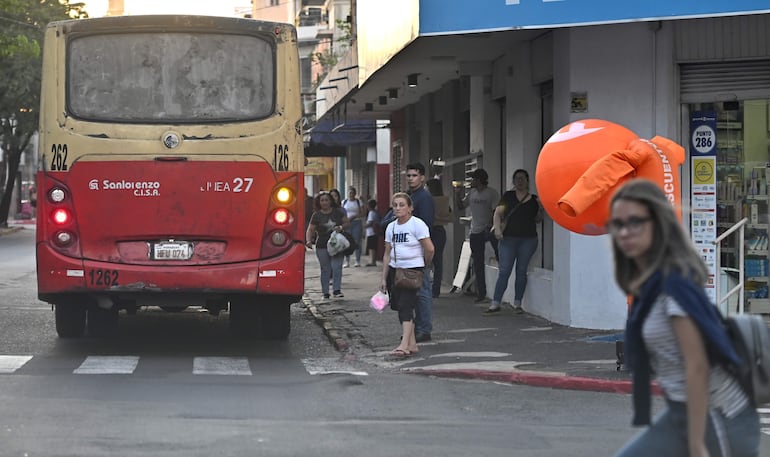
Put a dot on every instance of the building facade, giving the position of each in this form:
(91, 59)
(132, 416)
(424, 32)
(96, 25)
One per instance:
(488, 88)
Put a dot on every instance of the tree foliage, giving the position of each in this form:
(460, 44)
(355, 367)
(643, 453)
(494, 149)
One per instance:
(329, 57)
(22, 26)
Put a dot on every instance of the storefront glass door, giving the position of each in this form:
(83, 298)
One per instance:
(743, 171)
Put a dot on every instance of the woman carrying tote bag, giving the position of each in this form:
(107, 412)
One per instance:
(407, 246)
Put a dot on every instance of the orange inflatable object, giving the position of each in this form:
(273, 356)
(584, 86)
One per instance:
(583, 163)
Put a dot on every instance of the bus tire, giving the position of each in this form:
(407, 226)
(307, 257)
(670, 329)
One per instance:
(70, 320)
(276, 320)
(102, 322)
(245, 322)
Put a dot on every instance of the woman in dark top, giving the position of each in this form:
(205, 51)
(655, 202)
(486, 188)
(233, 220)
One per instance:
(325, 220)
(515, 226)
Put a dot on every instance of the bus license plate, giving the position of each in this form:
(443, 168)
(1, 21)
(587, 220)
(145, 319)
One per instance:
(172, 250)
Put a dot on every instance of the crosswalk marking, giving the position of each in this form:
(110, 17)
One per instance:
(235, 366)
(100, 364)
(226, 366)
(764, 420)
(11, 363)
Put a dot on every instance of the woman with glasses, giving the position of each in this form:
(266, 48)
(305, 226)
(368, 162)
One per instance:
(515, 226)
(327, 219)
(675, 332)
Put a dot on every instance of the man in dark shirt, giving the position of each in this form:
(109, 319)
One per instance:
(423, 207)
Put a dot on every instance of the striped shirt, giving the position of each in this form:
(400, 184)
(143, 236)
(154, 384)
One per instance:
(725, 394)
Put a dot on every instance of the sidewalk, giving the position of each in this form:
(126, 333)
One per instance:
(16, 225)
(507, 347)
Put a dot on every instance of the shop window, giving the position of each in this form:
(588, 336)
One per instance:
(743, 172)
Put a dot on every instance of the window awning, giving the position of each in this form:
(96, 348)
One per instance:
(328, 139)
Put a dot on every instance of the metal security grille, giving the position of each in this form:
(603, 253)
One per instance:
(721, 81)
(397, 160)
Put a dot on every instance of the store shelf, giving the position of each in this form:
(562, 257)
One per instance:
(757, 252)
(759, 305)
(758, 197)
(757, 279)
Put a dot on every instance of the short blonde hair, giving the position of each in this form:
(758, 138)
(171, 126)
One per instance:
(403, 195)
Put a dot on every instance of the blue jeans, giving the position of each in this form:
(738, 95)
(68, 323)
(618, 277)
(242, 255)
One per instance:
(330, 266)
(423, 322)
(667, 436)
(438, 236)
(513, 250)
(357, 231)
(478, 242)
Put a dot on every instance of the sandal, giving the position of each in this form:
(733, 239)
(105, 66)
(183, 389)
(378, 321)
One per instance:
(398, 354)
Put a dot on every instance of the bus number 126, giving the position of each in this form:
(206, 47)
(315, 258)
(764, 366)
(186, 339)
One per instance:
(280, 157)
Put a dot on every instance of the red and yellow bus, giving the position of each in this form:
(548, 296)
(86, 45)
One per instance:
(171, 171)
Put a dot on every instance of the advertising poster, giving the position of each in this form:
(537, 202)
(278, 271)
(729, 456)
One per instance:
(703, 193)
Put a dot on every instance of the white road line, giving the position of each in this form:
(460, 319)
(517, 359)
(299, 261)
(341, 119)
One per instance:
(471, 330)
(11, 363)
(471, 354)
(596, 362)
(233, 366)
(536, 329)
(99, 364)
(330, 365)
(501, 366)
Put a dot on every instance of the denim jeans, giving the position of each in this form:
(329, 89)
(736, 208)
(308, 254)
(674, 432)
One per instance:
(357, 231)
(330, 266)
(438, 236)
(423, 322)
(667, 436)
(478, 243)
(513, 250)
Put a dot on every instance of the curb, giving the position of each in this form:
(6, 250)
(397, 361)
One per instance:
(555, 381)
(340, 343)
(9, 230)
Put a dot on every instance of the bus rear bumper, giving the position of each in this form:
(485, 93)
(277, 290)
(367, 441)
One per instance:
(60, 275)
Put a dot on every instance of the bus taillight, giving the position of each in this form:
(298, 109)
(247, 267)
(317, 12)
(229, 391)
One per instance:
(63, 238)
(61, 216)
(61, 228)
(57, 195)
(278, 238)
(281, 216)
(284, 195)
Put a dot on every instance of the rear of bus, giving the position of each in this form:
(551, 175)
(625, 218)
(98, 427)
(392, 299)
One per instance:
(171, 168)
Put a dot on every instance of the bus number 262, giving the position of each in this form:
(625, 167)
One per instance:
(59, 157)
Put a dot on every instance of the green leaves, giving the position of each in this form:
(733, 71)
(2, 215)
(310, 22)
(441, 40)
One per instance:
(22, 27)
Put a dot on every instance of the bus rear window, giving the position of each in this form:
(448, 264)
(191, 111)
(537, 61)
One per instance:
(177, 77)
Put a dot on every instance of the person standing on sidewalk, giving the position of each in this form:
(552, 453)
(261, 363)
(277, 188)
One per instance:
(422, 204)
(482, 201)
(407, 245)
(676, 332)
(356, 213)
(373, 221)
(443, 216)
(326, 219)
(336, 198)
(515, 227)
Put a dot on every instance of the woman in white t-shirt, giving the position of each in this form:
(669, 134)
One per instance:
(356, 213)
(407, 245)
